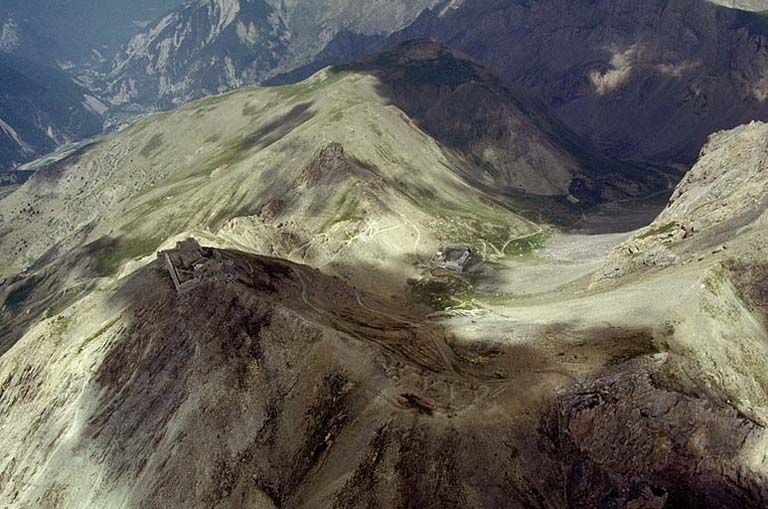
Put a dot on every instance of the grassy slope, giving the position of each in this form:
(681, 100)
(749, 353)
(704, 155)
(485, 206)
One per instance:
(237, 155)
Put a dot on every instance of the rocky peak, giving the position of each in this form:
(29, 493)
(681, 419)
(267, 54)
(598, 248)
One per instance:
(423, 62)
(727, 185)
(327, 161)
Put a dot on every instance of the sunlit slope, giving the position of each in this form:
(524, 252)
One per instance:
(719, 207)
(271, 384)
(256, 156)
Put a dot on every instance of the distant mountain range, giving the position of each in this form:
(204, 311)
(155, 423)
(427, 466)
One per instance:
(209, 46)
(42, 108)
(50, 51)
(74, 32)
(642, 80)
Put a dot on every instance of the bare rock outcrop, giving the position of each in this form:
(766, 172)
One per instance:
(727, 186)
(723, 195)
(651, 435)
(328, 161)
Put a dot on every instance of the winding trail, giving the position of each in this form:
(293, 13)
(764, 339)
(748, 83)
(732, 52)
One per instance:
(438, 344)
(418, 232)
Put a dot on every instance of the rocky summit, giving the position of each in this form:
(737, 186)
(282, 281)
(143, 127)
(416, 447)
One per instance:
(386, 254)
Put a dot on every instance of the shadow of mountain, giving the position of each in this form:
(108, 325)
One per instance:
(469, 109)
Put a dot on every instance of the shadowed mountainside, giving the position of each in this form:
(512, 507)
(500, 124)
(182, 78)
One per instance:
(73, 33)
(642, 80)
(41, 108)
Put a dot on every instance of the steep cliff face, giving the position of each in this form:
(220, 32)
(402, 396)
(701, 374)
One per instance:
(41, 108)
(315, 23)
(20, 38)
(202, 48)
(720, 200)
(209, 46)
(644, 80)
(725, 190)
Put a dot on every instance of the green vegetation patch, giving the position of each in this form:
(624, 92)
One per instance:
(270, 132)
(111, 254)
(239, 150)
(497, 240)
(213, 100)
(251, 110)
(440, 291)
(375, 129)
(337, 117)
(525, 245)
(345, 207)
(226, 212)
(466, 221)
(142, 124)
